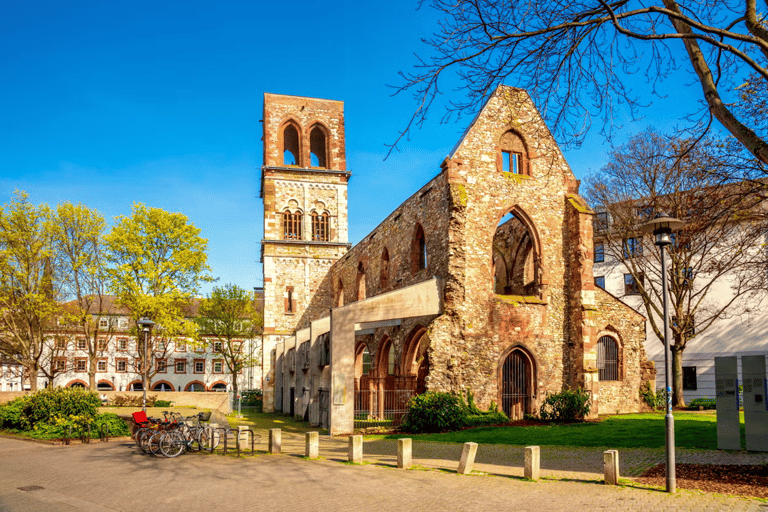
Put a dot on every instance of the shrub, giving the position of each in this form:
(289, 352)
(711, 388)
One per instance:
(161, 403)
(486, 418)
(706, 403)
(49, 403)
(566, 406)
(252, 397)
(10, 413)
(434, 412)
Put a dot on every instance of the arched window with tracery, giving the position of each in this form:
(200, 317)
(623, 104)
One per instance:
(514, 154)
(320, 231)
(384, 274)
(291, 148)
(515, 256)
(418, 250)
(291, 225)
(608, 358)
(317, 148)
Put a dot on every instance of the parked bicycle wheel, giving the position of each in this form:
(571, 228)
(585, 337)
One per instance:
(172, 443)
(209, 436)
(154, 442)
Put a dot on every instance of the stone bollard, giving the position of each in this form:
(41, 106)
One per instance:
(467, 458)
(404, 453)
(275, 440)
(214, 433)
(611, 466)
(355, 450)
(312, 445)
(532, 462)
(242, 431)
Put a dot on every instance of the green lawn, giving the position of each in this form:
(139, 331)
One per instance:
(692, 430)
(262, 420)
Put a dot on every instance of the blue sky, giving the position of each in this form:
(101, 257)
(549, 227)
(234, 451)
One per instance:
(107, 104)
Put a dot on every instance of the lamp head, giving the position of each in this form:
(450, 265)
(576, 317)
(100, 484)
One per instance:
(662, 226)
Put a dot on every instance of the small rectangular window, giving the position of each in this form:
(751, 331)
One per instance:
(81, 344)
(181, 366)
(290, 305)
(101, 366)
(599, 252)
(199, 366)
(218, 366)
(61, 364)
(121, 365)
(689, 378)
(601, 221)
(633, 247)
(81, 365)
(162, 365)
(513, 162)
(632, 287)
(600, 281)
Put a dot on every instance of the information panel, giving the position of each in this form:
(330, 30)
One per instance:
(755, 404)
(727, 403)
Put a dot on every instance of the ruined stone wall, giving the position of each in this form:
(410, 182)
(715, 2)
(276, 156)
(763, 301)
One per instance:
(627, 327)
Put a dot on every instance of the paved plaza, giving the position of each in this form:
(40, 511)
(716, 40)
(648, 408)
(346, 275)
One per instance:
(117, 476)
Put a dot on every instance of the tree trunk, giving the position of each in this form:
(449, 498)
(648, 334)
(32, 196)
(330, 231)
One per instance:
(678, 399)
(234, 382)
(92, 373)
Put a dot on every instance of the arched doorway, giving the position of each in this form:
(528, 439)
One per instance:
(516, 256)
(162, 386)
(516, 384)
(416, 360)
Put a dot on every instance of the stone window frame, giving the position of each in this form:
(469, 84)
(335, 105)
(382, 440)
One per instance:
(384, 269)
(124, 361)
(321, 224)
(122, 344)
(60, 364)
(101, 365)
(290, 300)
(360, 281)
(539, 272)
(81, 344)
(318, 127)
(614, 373)
(180, 366)
(283, 143)
(419, 249)
(292, 224)
(198, 366)
(161, 364)
(219, 362)
(102, 344)
(509, 152)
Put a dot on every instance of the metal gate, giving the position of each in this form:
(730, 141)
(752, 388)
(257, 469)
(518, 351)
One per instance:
(515, 382)
(325, 405)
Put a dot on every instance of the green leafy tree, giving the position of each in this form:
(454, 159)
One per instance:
(28, 299)
(77, 233)
(157, 262)
(227, 320)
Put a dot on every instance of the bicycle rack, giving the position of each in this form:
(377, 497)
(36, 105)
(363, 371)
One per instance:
(224, 430)
(86, 439)
(104, 433)
(253, 440)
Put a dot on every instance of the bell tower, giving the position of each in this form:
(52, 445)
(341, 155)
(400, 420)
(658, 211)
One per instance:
(304, 189)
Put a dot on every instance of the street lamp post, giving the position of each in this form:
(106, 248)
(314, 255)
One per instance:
(662, 226)
(145, 324)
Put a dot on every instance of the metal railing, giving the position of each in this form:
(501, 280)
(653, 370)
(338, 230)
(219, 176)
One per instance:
(375, 408)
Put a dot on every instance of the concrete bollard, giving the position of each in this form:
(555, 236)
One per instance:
(312, 445)
(275, 440)
(404, 453)
(532, 462)
(355, 449)
(467, 458)
(611, 466)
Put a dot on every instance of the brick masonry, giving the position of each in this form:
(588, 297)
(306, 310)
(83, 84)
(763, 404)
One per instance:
(550, 315)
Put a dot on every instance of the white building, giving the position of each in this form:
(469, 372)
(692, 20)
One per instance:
(742, 330)
(180, 366)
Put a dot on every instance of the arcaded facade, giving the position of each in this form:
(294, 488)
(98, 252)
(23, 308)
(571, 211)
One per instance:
(504, 235)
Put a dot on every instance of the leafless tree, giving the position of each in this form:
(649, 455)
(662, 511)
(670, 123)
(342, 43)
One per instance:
(717, 249)
(582, 59)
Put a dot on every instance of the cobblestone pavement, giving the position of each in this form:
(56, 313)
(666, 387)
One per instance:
(117, 476)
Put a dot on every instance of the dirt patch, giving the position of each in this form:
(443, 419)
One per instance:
(736, 480)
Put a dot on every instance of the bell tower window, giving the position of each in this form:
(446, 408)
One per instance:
(320, 227)
(514, 155)
(291, 145)
(317, 153)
